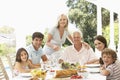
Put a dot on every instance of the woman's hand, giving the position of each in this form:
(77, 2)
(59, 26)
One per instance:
(56, 48)
(86, 45)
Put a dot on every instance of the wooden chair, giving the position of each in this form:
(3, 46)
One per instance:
(11, 61)
(3, 73)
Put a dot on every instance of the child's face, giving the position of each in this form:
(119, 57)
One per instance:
(23, 56)
(107, 59)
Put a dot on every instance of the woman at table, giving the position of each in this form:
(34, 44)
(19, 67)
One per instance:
(22, 64)
(100, 44)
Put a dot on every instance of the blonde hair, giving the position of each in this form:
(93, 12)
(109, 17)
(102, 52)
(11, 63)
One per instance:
(58, 19)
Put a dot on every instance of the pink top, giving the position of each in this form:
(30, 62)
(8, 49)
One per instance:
(16, 72)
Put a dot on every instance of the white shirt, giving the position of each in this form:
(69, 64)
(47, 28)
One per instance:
(71, 55)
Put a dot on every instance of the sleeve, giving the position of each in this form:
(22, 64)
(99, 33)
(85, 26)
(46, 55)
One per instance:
(68, 33)
(52, 31)
(110, 69)
(29, 53)
(41, 52)
(91, 54)
(63, 55)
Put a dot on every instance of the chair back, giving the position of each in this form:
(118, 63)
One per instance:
(3, 73)
(11, 61)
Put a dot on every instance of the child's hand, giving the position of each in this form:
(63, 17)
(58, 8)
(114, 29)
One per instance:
(102, 67)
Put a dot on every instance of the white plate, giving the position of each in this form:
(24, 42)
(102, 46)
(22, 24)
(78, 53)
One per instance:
(93, 70)
(25, 74)
(93, 65)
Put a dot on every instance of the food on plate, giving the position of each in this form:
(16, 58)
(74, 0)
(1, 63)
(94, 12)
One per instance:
(38, 73)
(34, 78)
(66, 65)
(65, 73)
(81, 68)
(76, 77)
(52, 70)
(83, 74)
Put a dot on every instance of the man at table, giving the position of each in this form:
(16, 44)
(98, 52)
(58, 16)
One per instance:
(77, 53)
(35, 49)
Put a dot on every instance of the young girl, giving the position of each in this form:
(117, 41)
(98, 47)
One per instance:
(22, 64)
(111, 67)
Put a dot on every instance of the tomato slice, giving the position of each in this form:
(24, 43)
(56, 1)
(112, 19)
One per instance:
(76, 77)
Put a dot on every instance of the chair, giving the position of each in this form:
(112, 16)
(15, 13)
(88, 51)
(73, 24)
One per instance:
(11, 61)
(3, 73)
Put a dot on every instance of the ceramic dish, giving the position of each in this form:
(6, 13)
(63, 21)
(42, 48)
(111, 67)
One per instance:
(25, 74)
(92, 65)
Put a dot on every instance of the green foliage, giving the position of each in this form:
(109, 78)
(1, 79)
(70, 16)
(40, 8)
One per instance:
(67, 43)
(45, 37)
(28, 40)
(83, 15)
(6, 30)
(106, 33)
(105, 17)
(6, 49)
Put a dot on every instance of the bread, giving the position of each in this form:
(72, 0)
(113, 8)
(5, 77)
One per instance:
(65, 73)
(34, 78)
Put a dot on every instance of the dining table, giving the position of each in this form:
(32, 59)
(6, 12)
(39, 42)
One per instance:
(93, 74)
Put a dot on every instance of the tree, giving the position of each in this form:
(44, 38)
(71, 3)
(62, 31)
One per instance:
(6, 30)
(9, 46)
(83, 15)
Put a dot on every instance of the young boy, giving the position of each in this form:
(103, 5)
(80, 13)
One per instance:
(111, 67)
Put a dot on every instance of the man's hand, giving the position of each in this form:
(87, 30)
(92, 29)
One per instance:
(60, 61)
(44, 58)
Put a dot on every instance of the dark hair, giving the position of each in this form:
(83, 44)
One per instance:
(111, 52)
(38, 35)
(101, 39)
(18, 54)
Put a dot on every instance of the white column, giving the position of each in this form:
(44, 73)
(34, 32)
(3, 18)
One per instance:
(112, 44)
(99, 20)
(99, 26)
(119, 37)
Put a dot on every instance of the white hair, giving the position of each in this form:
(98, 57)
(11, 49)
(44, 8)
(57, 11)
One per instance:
(78, 31)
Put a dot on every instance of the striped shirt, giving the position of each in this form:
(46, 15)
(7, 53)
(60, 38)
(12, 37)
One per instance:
(114, 70)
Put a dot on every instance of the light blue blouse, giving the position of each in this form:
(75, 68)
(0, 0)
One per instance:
(56, 40)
